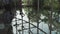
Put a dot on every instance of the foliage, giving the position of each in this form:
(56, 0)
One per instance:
(45, 7)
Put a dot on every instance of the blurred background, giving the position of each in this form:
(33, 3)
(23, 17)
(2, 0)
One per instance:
(30, 16)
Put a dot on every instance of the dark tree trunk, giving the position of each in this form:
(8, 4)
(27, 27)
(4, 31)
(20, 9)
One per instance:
(50, 28)
(29, 25)
(37, 27)
(49, 25)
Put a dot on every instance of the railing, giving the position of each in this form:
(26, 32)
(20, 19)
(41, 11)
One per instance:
(23, 28)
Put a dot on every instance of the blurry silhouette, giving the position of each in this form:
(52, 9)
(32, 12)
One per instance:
(6, 16)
